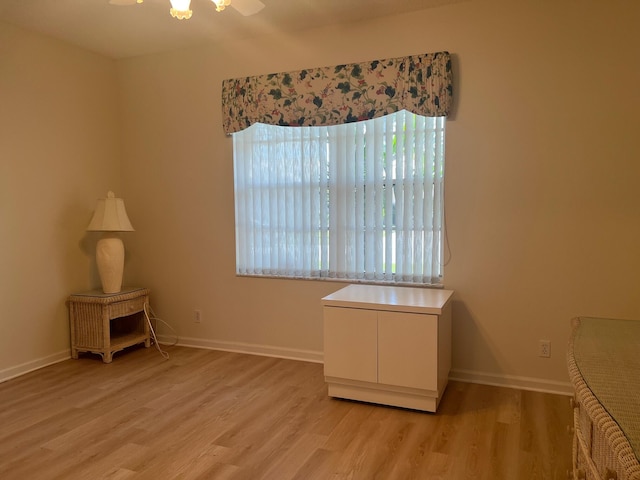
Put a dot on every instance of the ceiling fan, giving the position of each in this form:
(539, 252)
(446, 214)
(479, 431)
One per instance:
(180, 8)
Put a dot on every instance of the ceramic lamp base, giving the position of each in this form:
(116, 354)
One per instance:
(110, 260)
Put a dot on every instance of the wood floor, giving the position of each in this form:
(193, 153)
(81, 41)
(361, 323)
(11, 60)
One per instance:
(213, 415)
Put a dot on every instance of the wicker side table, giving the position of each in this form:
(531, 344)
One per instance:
(104, 323)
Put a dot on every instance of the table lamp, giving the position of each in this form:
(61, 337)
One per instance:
(110, 217)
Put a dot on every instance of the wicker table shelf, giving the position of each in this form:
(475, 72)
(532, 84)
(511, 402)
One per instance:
(107, 323)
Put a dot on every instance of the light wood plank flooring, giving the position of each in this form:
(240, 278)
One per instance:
(215, 415)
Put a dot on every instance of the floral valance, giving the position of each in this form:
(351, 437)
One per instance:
(421, 84)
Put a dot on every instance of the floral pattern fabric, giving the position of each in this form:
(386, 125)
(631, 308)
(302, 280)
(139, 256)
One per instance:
(421, 84)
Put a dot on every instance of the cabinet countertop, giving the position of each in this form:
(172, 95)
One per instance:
(380, 297)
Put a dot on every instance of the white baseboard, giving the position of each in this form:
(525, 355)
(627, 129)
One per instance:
(511, 381)
(248, 348)
(16, 371)
(469, 376)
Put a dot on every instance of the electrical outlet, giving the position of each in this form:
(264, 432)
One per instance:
(544, 348)
(197, 316)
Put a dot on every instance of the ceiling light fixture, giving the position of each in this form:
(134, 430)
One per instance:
(180, 9)
(220, 4)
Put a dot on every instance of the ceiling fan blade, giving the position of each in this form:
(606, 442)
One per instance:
(247, 7)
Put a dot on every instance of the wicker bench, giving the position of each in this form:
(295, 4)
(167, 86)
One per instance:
(604, 367)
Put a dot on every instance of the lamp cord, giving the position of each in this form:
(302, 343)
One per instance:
(152, 316)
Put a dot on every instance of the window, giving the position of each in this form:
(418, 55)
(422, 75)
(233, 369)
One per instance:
(360, 201)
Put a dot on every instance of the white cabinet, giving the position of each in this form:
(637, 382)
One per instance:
(388, 345)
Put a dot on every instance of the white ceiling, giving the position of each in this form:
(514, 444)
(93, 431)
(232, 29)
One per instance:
(126, 31)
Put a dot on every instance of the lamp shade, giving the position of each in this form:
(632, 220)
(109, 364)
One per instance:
(110, 216)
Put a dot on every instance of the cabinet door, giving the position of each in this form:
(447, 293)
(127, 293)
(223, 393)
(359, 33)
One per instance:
(350, 343)
(408, 350)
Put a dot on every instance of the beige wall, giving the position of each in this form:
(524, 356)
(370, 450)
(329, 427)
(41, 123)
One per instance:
(542, 164)
(59, 151)
(541, 199)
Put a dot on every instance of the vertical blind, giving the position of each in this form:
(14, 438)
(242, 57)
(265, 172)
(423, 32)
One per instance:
(360, 201)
